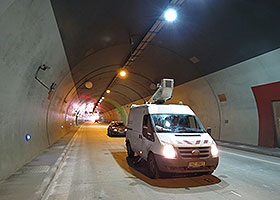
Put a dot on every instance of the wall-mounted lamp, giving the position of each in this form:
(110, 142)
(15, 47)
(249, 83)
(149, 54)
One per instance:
(53, 85)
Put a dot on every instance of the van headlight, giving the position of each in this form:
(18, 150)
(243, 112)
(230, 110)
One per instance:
(169, 151)
(115, 129)
(214, 150)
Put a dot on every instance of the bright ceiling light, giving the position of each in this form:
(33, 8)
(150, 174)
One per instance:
(103, 97)
(122, 73)
(108, 91)
(170, 14)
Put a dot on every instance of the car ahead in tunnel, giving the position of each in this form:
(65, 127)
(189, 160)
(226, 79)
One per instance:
(116, 128)
(171, 139)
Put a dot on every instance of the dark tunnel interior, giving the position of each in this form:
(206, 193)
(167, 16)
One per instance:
(66, 62)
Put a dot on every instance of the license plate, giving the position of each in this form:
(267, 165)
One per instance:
(196, 164)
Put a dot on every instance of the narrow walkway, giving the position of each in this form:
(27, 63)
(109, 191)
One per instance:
(31, 181)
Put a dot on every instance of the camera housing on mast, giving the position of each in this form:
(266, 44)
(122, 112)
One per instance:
(163, 93)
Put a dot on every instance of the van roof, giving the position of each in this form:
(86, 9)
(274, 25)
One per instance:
(166, 108)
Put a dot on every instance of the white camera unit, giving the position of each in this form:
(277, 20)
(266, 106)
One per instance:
(164, 92)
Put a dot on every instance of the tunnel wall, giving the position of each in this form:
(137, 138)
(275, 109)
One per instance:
(236, 118)
(29, 38)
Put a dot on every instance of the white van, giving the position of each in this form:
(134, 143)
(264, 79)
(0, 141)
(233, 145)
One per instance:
(171, 139)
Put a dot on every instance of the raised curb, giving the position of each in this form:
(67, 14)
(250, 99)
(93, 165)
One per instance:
(255, 149)
(52, 172)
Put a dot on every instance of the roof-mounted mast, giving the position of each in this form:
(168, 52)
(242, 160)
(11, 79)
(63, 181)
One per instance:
(164, 92)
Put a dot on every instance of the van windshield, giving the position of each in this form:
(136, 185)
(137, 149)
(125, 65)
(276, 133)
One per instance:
(176, 123)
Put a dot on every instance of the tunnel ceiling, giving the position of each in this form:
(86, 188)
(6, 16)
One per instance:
(98, 36)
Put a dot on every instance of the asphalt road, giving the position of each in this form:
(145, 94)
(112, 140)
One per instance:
(95, 167)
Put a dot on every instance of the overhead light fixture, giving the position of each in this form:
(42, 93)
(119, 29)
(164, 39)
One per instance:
(102, 97)
(108, 91)
(170, 15)
(122, 73)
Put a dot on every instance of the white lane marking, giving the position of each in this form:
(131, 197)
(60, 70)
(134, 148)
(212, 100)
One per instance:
(252, 158)
(235, 193)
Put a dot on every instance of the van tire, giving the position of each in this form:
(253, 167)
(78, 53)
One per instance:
(152, 167)
(210, 172)
(130, 152)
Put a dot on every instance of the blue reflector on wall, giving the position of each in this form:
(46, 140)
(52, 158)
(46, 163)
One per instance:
(27, 137)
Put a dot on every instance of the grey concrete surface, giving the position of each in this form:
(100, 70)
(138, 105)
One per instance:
(29, 37)
(95, 167)
(32, 180)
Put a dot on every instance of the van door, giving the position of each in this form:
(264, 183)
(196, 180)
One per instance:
(148, 137)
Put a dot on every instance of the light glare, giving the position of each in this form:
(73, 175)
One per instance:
(167, 124)
(108, 91)
(214, 150)
(123, 73)
(170, 15)
(169, 151)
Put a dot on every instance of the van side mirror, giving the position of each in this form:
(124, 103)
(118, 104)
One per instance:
(209, 130)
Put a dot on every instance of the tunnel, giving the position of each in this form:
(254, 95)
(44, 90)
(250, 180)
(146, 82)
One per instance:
(70, 68)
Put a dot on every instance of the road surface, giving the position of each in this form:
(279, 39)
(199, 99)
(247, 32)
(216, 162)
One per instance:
(95, 167)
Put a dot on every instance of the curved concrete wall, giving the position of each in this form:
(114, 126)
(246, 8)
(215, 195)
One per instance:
(29, 38)
(236, 119)
(239, 114)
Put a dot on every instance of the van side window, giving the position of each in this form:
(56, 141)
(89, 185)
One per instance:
(147, 129)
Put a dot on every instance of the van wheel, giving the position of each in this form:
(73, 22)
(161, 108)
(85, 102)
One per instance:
(130, 152)
(210, 172)
(152, 166)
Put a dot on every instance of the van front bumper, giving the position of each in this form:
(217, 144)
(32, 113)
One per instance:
(180, 165)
